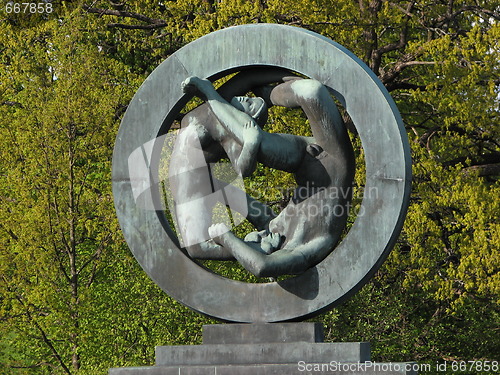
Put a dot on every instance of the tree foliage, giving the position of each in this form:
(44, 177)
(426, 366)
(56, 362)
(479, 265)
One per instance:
(73, 300)
(64, 266)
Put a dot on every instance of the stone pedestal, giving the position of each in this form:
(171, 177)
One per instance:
(265, 349)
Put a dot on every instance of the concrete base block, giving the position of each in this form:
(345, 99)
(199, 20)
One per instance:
(281, 369)
(257, 333)
(274, 353)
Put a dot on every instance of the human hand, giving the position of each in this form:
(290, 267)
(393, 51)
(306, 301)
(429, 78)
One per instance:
(190, 85)
(251, 133)
(196, 86)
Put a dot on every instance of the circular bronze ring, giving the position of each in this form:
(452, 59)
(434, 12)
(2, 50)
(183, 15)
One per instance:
(383, 208)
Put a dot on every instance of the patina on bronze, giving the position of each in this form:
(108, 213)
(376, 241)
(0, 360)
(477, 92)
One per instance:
(388, 172)
(311, 224)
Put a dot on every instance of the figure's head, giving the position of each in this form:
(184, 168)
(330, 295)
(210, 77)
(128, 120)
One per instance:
(254, 107)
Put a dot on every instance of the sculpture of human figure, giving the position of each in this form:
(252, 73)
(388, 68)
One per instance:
(200, 143)
(323, 165)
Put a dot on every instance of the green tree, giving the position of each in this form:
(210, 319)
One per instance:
(56, 135)
(440, 61)
(73, 299)
(72, 296)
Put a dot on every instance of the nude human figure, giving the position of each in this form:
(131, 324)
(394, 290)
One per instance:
(323, 165)
(200, 142)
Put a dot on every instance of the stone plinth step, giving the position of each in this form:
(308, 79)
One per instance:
(265, 353)
(257, 333)
(273, 369)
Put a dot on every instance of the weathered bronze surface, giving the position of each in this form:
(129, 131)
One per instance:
(309, 227)
(339, 273)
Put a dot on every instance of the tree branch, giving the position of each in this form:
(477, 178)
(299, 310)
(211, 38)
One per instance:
(392, 86)
(450, 15)
(492, 158)
(137, 27)
(10, 232)
(45, 338)
(96, 254)
(483, 170)
(377, 53)
(404, 62)
(152, 23)
(12, 104)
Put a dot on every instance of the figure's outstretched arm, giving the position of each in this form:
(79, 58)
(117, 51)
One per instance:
(230, 117)
(281, 262)
(240, 127)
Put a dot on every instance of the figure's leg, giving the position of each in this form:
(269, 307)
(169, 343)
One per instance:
(281, 262)
(328, 128)
(282, 151)
(310, 95)
(250, 258)
(192, 221)
(209, 250)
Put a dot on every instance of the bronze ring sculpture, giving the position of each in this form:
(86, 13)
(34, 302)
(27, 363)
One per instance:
(388, 171)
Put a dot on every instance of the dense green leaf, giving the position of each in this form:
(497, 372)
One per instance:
(73, 299)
